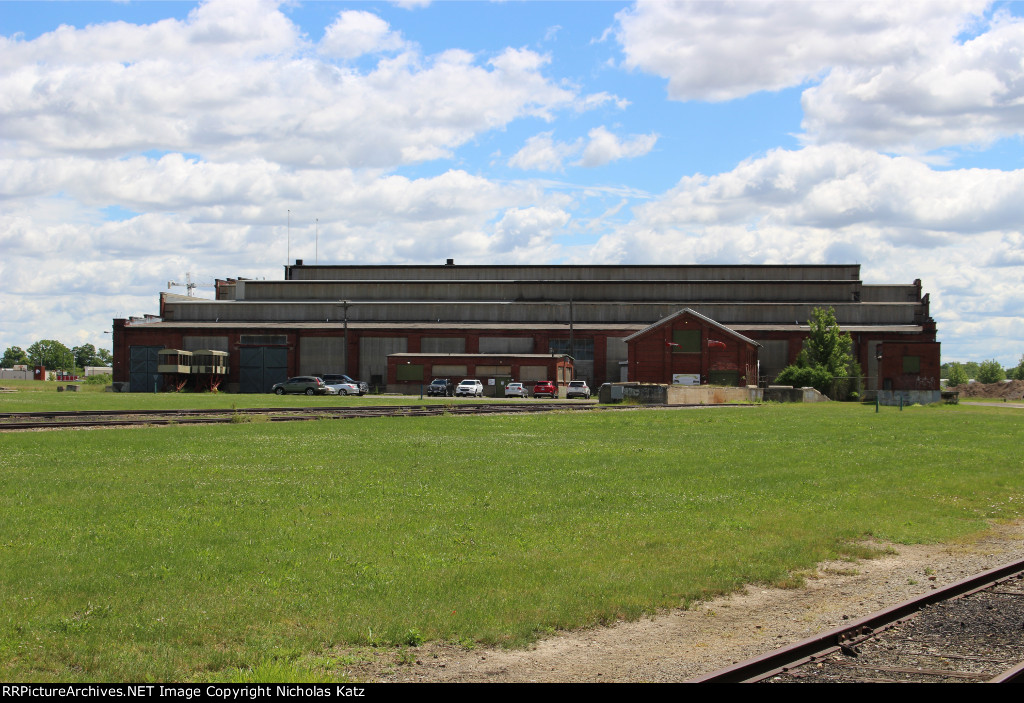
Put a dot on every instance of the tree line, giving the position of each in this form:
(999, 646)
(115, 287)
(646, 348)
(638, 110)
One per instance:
(55, 356)
(827, 363)
(990, 371)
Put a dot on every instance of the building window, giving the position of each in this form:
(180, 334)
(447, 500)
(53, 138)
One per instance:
(686, 341)
(583, 348)
(911, 364)
(263, 339)
(409, 372)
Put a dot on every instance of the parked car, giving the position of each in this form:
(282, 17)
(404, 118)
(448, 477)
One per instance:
(545, 388)
(577, 389)
(310, 385)
(516, 390)
(441, 386)
(334, 378)
(470, 387)
(343, 388)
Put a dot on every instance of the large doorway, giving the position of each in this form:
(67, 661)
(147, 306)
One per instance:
(261, 367)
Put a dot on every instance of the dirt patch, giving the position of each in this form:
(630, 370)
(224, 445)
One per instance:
(678, 645)
(1010, 390)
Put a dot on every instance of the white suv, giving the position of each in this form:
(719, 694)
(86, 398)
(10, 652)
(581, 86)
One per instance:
(470, 386)
(577, 389)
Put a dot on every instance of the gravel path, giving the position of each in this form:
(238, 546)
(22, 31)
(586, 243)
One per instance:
(677, 645)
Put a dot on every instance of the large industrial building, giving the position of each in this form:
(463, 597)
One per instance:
(350, 319)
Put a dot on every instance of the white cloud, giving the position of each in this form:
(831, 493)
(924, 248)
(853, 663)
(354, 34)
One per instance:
(889, 76)
(605, 147)
(722, 51)
(253, 92)
(955, 93)
(542, 153)
(356, 32)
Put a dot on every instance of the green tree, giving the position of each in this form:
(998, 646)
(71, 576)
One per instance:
(1018, 373)
(104, 357)
(85, 355)
(51, 354)
(990, 371)
(826, 362)
(12, 356)
(956, 376)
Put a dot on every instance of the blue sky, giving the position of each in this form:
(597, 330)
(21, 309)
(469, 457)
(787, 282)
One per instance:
(144, 141)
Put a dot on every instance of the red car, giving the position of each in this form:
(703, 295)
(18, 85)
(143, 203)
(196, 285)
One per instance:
(545, 388)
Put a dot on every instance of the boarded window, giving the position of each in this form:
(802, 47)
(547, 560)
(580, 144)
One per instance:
(911, 364)
(409, 372)
(197, 343)
(443, 345)
(687, 341)
(449, 370)
(506, 345)
(493, 370)
(533, 373)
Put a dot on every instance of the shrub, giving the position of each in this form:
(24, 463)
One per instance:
(990, 371)
(957, 375)
(799, 376)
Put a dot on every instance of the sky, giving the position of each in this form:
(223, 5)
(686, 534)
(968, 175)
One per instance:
(143, 143)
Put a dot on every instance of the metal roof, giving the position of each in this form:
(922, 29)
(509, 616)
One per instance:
(694, 313)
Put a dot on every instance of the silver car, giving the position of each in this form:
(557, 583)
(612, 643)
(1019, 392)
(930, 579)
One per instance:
(516, 390)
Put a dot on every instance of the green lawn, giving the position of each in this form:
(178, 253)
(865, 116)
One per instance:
(35, 396)
(184, 553)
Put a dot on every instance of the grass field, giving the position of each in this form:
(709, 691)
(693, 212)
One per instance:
(34, 396)
(211, 553)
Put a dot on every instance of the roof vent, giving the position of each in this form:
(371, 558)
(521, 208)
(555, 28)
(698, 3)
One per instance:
(449, 262)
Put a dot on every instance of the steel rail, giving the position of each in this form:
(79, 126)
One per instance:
(813, 648)
(45, 420)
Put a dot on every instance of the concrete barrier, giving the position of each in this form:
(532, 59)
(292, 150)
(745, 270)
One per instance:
(658, 394)
(909, 397)
(713, 395)
(788, 394)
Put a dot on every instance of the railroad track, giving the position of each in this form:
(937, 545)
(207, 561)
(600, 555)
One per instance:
(133, 418)
(970, 631)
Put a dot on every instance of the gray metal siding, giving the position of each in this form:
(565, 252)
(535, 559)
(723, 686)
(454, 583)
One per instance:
(321, 355)
(535, 312)
(373, 357)
(194, 343)
(506, 345)
(552, 272)
(443, 345)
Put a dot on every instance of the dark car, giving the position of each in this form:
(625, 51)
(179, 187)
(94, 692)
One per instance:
(310, 385)
(545, 388)
(333, 378)
(441, 386)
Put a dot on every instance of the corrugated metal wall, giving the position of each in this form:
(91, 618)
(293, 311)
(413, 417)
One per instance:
(193, 343)
(506, 345)
(319, 355)
(443, 345)
(373, 357)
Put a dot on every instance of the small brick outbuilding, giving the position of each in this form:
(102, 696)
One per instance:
(691, 349)
(409, 373)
